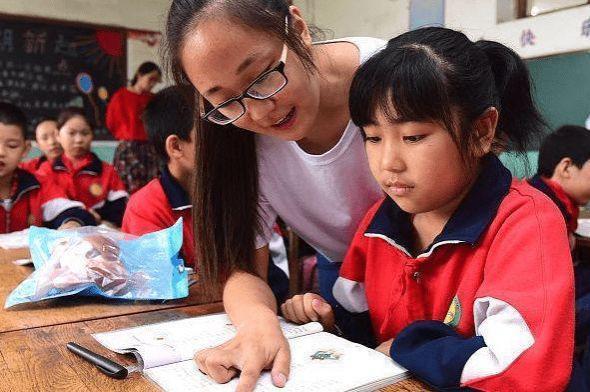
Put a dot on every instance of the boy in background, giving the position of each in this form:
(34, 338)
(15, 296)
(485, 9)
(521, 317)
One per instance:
(27, 199)
(169, 122)
(170, 125)
(563, 172)
(564, 176)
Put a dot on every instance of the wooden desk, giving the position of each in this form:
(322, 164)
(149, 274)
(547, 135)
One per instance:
(37, 359)
(72, 309)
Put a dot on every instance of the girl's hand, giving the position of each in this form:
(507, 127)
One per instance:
(255, 347)
(309, 307)
(71, 224)
(96, 216)
(385, 347)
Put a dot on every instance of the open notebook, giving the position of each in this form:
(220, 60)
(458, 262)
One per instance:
(319, 361)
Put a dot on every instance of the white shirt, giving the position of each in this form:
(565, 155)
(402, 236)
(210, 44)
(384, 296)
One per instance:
(322, 197)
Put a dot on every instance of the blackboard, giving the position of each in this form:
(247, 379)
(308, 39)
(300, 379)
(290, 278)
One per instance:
(47, 65)
(562, 87)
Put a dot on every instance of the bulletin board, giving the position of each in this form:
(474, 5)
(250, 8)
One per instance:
(46, 65)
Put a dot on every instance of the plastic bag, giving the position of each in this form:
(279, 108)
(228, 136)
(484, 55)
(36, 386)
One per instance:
(98, 261)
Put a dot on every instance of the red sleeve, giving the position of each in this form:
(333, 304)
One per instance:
(30, 165)
(63, 182)
(524, 308)
(115, 182)
(50, 190)
(114, 115)
(45, 169)
(137, 222)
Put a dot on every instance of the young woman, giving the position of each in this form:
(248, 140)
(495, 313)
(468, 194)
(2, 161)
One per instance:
(135, 159)
(277, 141)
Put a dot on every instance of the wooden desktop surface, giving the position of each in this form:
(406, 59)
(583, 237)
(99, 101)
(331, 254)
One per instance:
(33, 355)
(36, 359)
(71, 309)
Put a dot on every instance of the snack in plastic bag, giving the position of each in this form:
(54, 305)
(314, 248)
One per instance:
(104, 262)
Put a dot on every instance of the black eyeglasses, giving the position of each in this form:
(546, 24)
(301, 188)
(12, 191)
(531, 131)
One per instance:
(264, 86)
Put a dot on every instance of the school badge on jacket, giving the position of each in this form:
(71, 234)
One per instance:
(95, 189)
(454, 313)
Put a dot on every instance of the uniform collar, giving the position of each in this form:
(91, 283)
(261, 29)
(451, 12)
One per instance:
(92, 165)
(567, 205)
(175, 194)
(466, 225)
(40, 161)
(26, 182)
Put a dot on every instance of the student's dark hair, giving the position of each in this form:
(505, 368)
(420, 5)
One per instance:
(226, 183)
(170, 112)
(145, 68)
(43, 119)
(11, 114)
(68, 113)
(262, 15)
(568, 141)
(432, 73)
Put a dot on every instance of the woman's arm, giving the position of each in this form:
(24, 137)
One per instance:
(259, 343)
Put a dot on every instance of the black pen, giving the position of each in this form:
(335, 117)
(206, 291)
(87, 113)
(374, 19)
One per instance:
(105, 365)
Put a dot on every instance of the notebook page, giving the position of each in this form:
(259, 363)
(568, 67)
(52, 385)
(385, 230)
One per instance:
(179, 340)
(345, 366)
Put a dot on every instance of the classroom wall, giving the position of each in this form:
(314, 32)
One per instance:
(345, 18)
(129, 14)
(555, 33)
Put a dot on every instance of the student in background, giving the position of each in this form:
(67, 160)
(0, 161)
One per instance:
(26, 199)
(563, 172)
(169, 122)
(46, 137)
(134, 160)
(464, 272)
(82, 174)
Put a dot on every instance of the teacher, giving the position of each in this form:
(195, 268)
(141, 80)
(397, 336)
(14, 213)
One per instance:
(134, 160)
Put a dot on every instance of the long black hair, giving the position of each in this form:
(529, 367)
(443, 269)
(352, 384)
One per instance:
(437, 74)
(225, 192)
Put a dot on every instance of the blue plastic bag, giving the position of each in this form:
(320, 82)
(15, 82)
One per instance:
(96, 261)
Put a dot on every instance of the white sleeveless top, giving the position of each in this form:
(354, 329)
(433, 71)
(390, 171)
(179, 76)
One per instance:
(322, 197)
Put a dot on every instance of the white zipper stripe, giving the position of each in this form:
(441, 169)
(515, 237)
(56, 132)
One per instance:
(422, 255)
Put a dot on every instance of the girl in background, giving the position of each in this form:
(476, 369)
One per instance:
(46, 137)
(82, 174)
(135, 160)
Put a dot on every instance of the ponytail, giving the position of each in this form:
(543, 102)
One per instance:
(519, 122)
(437, 74)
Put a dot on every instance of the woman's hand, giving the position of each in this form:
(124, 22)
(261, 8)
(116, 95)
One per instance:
(309, 307)
(385, 347)
(256, 347)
